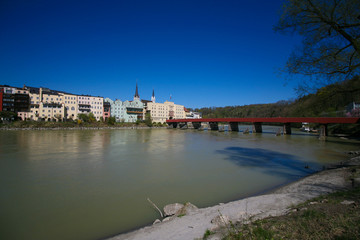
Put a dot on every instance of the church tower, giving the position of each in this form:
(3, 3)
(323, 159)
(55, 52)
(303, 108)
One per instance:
(153, 97)
(136, 96)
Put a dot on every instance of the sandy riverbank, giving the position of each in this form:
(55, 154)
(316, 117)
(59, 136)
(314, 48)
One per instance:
(194, 225)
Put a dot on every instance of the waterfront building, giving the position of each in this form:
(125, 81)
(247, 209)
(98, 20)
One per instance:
(71, 106)
(134, 110)
(13, 99)
(107, 112)
(45, 104)
(127, 111)
(192, 115)
(160, 112)
(51, 105)
(116, 109)
(87, 104)
(175, 111)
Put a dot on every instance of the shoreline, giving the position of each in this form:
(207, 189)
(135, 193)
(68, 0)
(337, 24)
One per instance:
(274, 202)
(77, 128)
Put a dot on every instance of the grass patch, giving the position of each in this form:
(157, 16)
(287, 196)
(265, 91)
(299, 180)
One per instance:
(207, 234)
(321, 218)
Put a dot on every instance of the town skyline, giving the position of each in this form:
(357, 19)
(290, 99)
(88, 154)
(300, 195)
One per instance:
(202, 53)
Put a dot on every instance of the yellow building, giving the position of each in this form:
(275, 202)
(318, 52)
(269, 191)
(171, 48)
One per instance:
(50, 105)
(87, 104)
(71, 105)
(45, 104)
(160, 112)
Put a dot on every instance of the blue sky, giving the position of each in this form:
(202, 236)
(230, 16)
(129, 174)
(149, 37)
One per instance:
(203, 53)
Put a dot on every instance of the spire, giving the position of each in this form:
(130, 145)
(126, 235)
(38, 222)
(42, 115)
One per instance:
(153, 96)
(136, 96)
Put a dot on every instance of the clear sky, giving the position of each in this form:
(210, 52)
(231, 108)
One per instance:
(203, 53)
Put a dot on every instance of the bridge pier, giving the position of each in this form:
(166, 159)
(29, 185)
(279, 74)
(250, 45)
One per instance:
(257, 127)
(196, 125)
(234, 126)
(183, 125)
(214, 126)
(173, 124)
(287, 129)
(323, 131)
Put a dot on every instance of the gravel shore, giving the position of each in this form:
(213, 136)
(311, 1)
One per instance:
(278, 202)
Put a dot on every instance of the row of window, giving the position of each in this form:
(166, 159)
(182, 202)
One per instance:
(50, 111)
(70, 98)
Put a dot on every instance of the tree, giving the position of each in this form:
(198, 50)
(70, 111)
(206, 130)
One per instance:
(8, 116)
(148, 120)
(91, 117)
(83, 117)
(330, 50)
(111, 120)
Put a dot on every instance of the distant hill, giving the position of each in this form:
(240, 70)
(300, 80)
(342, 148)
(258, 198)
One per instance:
(329, 101)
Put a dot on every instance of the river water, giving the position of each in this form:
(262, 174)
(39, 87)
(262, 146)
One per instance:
(92, 184)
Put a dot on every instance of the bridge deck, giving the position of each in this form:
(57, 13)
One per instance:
(322, 120)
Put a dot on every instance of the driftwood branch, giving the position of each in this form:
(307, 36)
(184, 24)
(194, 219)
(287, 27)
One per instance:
(161, 214)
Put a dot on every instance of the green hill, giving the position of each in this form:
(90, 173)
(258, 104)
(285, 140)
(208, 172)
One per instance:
(330, 101)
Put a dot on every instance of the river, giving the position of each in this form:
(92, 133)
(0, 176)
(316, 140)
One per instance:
(93, 184)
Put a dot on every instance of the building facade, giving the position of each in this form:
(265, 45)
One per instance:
(107, 110)
(45, 104)
(51, 105)
(160, 112)
(13, 99)
(127, 111)
(87, 104)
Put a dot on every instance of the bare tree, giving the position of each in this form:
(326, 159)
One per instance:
(330, 50)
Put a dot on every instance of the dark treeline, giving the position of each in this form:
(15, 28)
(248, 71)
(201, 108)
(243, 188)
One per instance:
(329, 101)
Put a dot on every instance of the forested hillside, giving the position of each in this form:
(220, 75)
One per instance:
(329, 101)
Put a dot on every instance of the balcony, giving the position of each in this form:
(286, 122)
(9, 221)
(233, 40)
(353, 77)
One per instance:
(52, 105)
(134, 110)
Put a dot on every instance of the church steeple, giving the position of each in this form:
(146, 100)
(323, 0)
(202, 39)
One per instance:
(153, 96)
(136, 96)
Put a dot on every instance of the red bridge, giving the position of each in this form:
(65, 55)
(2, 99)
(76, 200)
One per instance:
(257, 122)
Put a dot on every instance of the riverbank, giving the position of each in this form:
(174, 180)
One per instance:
(73, 126)
(34, 125)
(196, 223)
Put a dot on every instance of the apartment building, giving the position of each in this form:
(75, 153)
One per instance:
(45, 104)
(51, 105)
(107, 108)
(87, 104)
(127, 111)
(71, 106)
(160, 112)
(13, 99)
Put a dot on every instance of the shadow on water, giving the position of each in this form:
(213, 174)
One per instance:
(269, 162)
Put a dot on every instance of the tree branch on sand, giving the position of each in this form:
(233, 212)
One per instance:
(161, 214)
